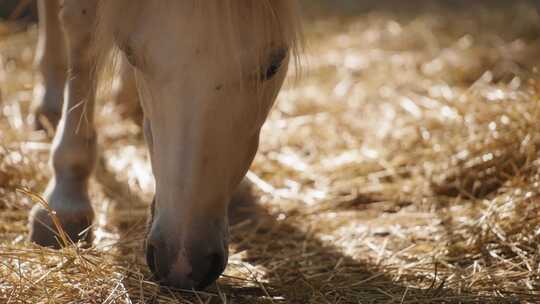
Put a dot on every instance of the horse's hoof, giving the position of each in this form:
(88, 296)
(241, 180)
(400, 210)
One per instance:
(75, 227)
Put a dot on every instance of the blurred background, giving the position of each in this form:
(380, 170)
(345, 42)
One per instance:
(401, 166)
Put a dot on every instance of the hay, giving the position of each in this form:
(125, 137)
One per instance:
(402, 168)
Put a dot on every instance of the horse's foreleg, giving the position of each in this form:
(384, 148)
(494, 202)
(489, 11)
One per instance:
(51, 60)
(74, 147)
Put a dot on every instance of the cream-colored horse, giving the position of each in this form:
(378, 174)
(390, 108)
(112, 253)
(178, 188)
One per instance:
(207, 73)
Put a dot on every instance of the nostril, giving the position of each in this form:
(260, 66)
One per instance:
(216, 265)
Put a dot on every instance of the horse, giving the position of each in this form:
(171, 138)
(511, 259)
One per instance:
(206, 74)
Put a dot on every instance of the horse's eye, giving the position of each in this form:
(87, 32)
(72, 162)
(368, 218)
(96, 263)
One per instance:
(276, 61)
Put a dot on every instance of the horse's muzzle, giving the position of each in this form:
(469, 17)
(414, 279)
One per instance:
(194, 263)
(183, 272)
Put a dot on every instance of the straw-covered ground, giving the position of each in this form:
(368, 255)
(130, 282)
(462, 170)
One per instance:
(402, 167)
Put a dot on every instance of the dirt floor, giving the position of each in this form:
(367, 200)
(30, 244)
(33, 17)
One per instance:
(403, 166)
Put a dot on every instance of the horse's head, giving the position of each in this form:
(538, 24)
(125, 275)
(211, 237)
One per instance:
(208, 73)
